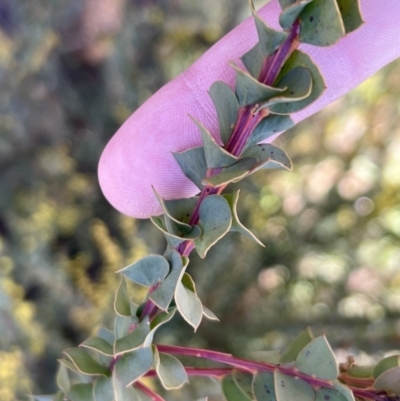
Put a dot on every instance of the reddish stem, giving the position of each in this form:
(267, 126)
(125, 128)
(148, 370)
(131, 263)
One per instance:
(253, 367)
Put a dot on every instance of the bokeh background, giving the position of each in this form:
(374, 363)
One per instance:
(71, 71)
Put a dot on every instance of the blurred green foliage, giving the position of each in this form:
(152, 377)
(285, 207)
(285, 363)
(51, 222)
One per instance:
(69, 78)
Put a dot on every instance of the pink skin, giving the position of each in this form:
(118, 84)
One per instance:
(139, 154)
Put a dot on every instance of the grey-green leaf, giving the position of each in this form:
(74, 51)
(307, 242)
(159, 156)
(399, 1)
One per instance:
(209, 314)
(236, 224)
(215, 221)
(323, 394)
(123, 392)
(299, 86)
(289, 388)
(264, 386)
(187, 301)
(133, 365)
(98, 344)
(121, 300)
(233, 173)
(193, 164)
(227, 107)
(85, 363)
(63, 380)
(389, 381)
(299, 59)
(182, 209)
(122, 325)
(321, 23)
(147, 271)
(216, 156)
(268, 157)
(81, 392)
(163, 295)
(103, 389)
(351, 14)
(386, 364)
(269, 38)
(317, 358)
(244, 381)
(269, 126)
(170, 370)
(293, 349)
(290, 13)
(344, 390)
(134, 339)
(156, 323)
(253, 60)
(250, 91)
(232, 391)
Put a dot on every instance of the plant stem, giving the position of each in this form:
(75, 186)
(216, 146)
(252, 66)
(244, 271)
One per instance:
(253, 367)
(192, 371)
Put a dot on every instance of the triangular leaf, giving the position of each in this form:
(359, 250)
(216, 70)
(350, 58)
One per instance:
(187, 301)
(389, 381)
(121, 300)
(317, 359)
(174, 240)
(147, 271)
(299, 59)
(134, 339)
(232, 391)
(299, 86)
(264, 386)
(103, 389)
(193, 164)
(293, 349)
(268, 157)
(269, 38)
(290, 13)
(170, 370)
(182, 209)
(233, 173)
(267, 127)
(85, 363)
(98, 344)
(173, 225)
(236, 224)
(253, 60)
(250, 91)
(216, 156)
(157, 322)
(351, 14)
(227, 107)
(163, 295)
(133, 365)
(321, 23)
(209, 314)
(386, 364)
(123, 324)
(244, 381)
(81, 392)
(289, 388)
(215, 221)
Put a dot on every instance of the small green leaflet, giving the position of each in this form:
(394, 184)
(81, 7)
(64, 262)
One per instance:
(290, 13)
(268, 157)
(81, 392)
(351, 14)
(264, 386)
(227, 107)
(103, 389)
(215, 222)
(232, 391)
(244, 381)
(62, 377)
(293, 349)
(134, 339)
(170, 370)
(289, 388)
(386, 364)
(98, 344)
(85, 363)
(121, 301)
(317, 359)
(389, 381)
(193, 164)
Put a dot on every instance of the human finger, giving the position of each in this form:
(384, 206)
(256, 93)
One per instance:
(139, 155)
